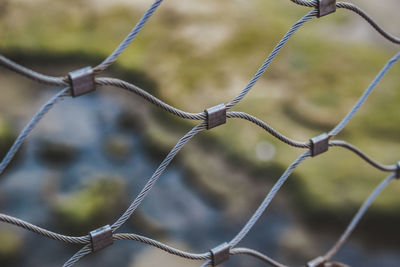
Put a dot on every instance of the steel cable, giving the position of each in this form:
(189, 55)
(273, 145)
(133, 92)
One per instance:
(156, 175)
(356, 219)
(64, 81)
(38, 230)
(166, 248)
(30, 126)
(128, 40)
(379, 166)
(152, 99)
(260, 210)
(269, 129)
(357, 10)
(270, 58)
(256, 254)
(33, 75)
(365, 95)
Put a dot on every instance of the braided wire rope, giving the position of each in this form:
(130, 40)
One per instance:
(30, 126)
(357, 218)
(202, 116)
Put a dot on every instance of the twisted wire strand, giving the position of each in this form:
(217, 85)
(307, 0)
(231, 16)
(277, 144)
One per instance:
(207, 263)
(86, 239)
(365, 95)
(128, 40)
(152, 99)
(38, 230)
(370, 20)
(63, 81)
(379, 166)
(356, 219)
(311, 3)
(30, 126)
(256, 254)
(271, 57)
(164, 247)
(145, 191)
(150, 183)
(33, 75)
(357, 10)
(86, 250)
(269, 129)
(260, 210)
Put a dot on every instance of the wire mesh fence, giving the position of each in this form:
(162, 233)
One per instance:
(85, 80)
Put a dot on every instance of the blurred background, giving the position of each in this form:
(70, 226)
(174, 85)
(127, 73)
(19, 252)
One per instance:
(90, 156)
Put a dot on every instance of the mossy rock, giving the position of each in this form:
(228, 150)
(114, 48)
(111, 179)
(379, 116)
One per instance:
(98, 204)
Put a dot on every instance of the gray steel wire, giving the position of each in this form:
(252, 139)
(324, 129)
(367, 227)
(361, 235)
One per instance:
(166, 248)
(256, 254)
(30, 126)
(269, 129)
(33, 75)
(260, 210)
(379, 166)
(128, 40)
(36, 229)
(150, 183)
(270, 58)
(365, 95)
(86, 250)
(64, 81)
(152, 99)
(357, 10)
(250, 252)
(311, 3)
(370, 20)
(145, 191)
(357, 218)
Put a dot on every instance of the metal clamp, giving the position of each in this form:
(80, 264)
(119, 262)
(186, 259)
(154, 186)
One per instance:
(216, 116)
(220, 254)
(101, 238)
(326, 7)
(82, 81)
(319, 144)
(398, 170)
(317, 262)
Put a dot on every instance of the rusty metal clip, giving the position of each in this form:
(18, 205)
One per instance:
(319, 144)
(220, 254)
(326, 7)
(101, 238)
(82, 81)
(216, 116)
